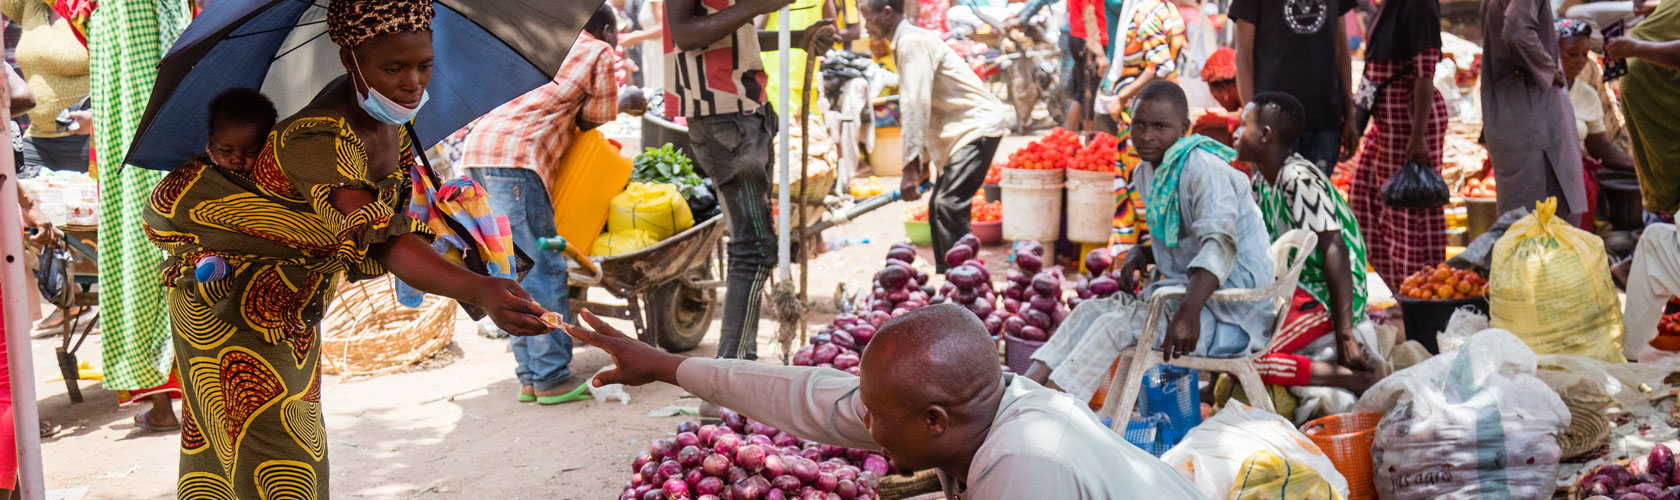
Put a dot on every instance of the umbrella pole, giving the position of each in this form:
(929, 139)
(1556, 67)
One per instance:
(25, 415)
(805, 179)
(783, 40)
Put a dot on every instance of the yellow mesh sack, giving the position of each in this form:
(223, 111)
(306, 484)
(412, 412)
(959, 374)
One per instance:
(656, 208)
(612, 244)
(1551, 287)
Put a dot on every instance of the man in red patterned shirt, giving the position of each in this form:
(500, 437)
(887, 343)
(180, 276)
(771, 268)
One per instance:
(512, 152)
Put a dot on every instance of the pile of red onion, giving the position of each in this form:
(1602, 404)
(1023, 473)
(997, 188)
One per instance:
(969, 284)
(1098, 284)
(748, 460)
(1034, 296)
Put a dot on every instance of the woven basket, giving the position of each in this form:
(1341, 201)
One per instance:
(1346, 439)
(897, 487)
(1588, 430)
(367, 333)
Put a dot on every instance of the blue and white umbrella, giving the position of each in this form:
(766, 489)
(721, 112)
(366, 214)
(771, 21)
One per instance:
(487, 53)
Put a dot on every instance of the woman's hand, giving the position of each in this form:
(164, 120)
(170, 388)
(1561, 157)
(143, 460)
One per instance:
(1418, 152)
(509, 306)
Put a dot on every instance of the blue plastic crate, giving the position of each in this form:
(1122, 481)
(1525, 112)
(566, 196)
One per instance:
(1145, 434)
(1172, 392)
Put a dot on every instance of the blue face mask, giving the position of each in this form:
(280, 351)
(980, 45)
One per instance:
(383, 108)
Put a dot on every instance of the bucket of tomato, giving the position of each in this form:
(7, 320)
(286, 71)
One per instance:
(1429, 297)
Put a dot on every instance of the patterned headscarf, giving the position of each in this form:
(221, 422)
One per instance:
(351, 22)
(1570, 28)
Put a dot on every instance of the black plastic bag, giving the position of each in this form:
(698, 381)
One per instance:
(50, 275)
(701, 200)
(1416, 186)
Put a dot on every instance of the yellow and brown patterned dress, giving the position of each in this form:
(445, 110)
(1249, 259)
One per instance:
(247, 344)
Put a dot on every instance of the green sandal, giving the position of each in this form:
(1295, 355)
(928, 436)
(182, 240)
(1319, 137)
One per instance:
(527, 398)
(579, 394)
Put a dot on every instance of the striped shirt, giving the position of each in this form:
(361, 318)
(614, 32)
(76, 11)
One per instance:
(1157, 37)
(725, 76)
(533, 130)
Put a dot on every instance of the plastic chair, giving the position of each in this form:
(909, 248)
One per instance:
(1286, 272)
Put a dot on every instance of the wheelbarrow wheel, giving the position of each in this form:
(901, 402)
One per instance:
(680, 314)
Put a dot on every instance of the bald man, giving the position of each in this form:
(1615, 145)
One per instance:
(931, 396)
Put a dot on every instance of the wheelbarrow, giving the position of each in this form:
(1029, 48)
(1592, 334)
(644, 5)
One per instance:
(668, 288)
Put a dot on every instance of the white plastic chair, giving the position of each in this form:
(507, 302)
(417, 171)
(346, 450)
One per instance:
(1123, 391)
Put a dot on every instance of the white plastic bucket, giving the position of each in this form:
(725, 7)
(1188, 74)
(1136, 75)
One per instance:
(1032, 204)
(1090, 201)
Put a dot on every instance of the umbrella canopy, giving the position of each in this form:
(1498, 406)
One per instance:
(487, 53)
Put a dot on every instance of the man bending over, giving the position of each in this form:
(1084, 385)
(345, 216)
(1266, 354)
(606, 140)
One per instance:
(930, 395)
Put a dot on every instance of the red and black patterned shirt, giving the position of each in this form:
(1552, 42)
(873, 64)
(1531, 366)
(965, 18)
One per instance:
(724, 77)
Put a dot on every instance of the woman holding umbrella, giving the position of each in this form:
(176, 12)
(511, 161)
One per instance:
(253, 260)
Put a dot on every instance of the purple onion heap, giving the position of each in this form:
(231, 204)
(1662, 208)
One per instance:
(748, 460)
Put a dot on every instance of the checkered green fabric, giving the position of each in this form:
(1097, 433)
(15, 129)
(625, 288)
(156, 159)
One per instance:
(126, 40)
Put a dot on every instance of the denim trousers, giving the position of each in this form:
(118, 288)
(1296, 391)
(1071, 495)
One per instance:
(544, 360)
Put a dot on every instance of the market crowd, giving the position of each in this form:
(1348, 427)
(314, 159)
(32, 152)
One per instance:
(1320, 126)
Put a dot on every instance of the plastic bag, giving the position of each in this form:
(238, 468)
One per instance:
(1471, 423)
(618, 243)
(1212, 455)
(1465, 322)
(609, 391)
(658, 209)
(1416, 186)
(50, 278)
(1267, 476)
(1551, 287)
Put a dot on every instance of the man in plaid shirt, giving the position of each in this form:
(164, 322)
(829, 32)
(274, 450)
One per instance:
(512, 152)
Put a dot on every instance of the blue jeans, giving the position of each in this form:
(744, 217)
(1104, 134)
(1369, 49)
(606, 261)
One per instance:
(1322, 147)
(544, 360)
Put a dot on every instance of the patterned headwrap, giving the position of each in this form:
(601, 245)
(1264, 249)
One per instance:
(1570, 28)
(351, 22)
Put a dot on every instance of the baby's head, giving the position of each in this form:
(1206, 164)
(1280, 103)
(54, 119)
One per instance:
(240, 120)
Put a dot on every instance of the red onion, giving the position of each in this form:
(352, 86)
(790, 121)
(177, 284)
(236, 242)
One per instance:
(783, 439)
(862, 333)
(731, 418)
(746, 489)
(649, 472)
(642, 459)
(707, 434)
(690, 456)
(803, 357)
(760, 440)
(693, 476)
(687, 439)
(736, 475)
(663, 448)
(847, 472)
(751, 457)
(775, 494)
(688, 426)
(716, 465)
(812, 454)
(774, 465)
(787, 484)
(804, 469)
(847, 489)
(830, 451)
(826, 481)
(727, 444)
(676, 489)
(846, 360)
(709, 485)
(876, 464)
(667, 469)
(707, 497)
(654, 494)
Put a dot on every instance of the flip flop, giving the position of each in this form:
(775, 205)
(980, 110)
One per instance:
(579, 394)
(141, 422)
(527, 398)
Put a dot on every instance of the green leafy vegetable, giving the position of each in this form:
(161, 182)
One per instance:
(666, 165)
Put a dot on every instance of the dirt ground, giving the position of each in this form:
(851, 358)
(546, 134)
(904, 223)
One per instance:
(449, 431)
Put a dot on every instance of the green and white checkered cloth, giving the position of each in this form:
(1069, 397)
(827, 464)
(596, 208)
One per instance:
(127, 38)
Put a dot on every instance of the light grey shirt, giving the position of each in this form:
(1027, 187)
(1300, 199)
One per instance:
(1043, 444)
(1221, 231)
(943, 105)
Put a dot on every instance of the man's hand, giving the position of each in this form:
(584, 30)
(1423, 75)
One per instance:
(1350, 354)
(819, 36)
(46, 236)
(635, 363)
(509, 306)
(1099, 61)
(1137, 259)
(1622, 48)
(910, 184)
(1182, 334)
